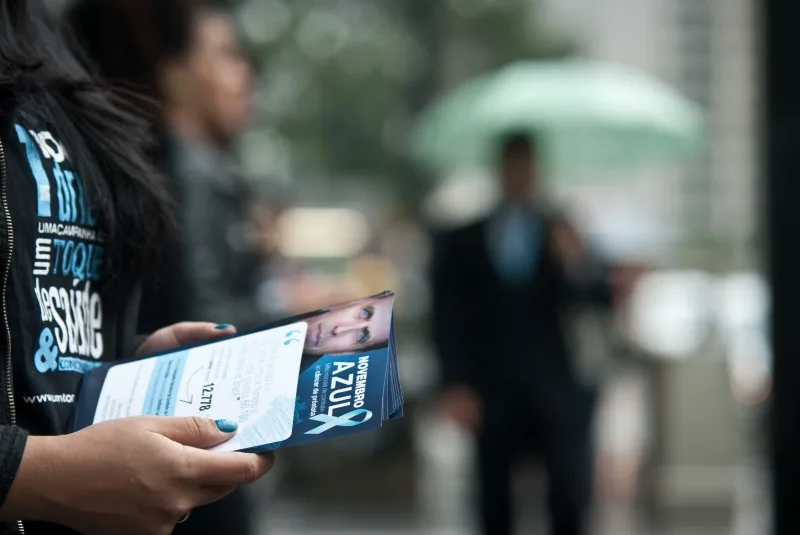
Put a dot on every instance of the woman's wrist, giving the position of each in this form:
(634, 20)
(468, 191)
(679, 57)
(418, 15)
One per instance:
(35, 491)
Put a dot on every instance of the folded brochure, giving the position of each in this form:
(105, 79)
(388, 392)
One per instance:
(303, 379)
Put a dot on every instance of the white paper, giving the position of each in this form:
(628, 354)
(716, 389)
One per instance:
(251, 379)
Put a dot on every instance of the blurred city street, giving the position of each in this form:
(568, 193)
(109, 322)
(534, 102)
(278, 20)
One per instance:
(443, 508)
(565, 198)
(293, 518)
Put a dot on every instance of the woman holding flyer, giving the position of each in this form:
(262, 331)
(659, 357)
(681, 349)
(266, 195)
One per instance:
(82, 213)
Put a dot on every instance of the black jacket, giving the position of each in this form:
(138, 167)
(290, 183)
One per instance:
(501, 338)
(62, 313)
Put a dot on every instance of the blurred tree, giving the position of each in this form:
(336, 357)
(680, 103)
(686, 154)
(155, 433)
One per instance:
(341, 80)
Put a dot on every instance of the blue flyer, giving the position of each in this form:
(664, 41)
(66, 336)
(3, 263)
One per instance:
(308, 378)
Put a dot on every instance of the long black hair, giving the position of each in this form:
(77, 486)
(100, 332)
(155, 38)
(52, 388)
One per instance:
(42, 77)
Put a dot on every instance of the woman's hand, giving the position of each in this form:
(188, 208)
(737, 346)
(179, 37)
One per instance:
(134, 476)
(183, 334)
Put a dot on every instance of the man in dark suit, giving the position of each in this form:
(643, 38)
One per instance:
(501, 288)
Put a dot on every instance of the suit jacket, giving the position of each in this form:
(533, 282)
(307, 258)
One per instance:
(493, 335)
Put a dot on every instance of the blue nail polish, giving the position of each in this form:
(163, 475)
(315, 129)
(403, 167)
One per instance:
(226, 426)
(223, 326)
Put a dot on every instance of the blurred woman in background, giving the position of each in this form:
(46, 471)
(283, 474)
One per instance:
(184, 55)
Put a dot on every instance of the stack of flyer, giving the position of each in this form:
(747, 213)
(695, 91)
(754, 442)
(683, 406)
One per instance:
(304, 379)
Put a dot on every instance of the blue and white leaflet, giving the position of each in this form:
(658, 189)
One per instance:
(312, 377)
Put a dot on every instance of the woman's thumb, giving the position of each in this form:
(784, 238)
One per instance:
(188, 333)
(195, 431)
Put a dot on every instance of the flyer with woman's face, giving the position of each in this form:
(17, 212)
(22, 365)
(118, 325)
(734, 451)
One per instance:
(318, 375)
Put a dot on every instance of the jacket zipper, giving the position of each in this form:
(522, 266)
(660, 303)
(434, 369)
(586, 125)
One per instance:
(9, 251)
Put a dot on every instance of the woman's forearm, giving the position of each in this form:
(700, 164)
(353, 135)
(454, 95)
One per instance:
(34, 485)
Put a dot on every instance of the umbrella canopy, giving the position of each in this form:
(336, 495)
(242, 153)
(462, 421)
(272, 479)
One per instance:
(589, 117)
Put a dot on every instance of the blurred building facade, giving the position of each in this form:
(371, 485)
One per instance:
(708, 49)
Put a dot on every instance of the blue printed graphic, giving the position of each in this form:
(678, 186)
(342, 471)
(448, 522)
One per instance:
(345, 420)
(74, 364)
(71, 339)
(66, 196)
(78, 260)
(162, 393)
(72, 204)
(35, 162)
(46, 357)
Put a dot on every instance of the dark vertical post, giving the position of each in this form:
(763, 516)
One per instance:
(782, 166)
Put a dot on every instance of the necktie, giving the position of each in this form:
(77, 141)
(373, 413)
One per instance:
(517, 244)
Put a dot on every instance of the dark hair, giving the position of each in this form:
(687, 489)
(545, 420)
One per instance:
(130, 40)
(515, 142)
(42, 79)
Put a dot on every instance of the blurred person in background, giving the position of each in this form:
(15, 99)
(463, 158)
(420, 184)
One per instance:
(185, 56)
(500, 289)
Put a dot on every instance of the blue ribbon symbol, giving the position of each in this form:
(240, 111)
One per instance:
(345, 420)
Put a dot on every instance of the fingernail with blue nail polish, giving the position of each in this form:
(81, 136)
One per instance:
(226, 426)
(223, 326)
